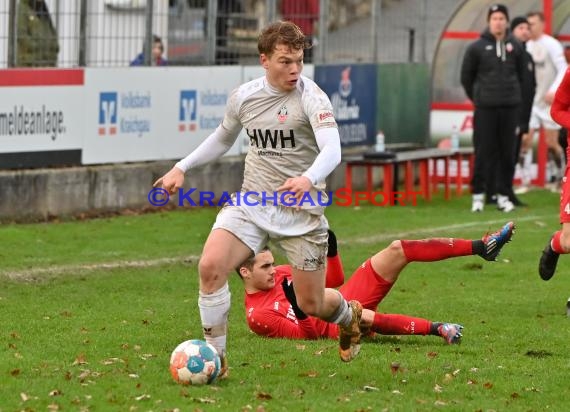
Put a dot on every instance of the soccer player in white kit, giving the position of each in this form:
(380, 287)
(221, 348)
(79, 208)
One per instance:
(550, 66)
(294, 146)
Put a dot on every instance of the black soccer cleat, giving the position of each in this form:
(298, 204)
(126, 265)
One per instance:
(494, 242)
(548, 262)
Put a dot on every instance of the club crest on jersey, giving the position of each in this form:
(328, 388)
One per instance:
(282, 115)
(509, 47)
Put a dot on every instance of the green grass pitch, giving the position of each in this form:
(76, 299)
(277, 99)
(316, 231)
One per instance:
(91, 310)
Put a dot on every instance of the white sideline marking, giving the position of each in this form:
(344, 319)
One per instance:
(32, 274)
(431, 230)
(28, 275)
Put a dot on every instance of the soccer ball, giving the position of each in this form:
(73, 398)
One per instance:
(195, 362)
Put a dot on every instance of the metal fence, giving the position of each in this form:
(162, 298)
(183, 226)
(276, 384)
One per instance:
(115, 33)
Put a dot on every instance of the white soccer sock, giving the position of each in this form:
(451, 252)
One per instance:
(214, 311)
(526, 174)
(343, 314)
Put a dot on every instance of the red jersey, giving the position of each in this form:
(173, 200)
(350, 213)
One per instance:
(560, 106)
(560, 112)
(270, 314)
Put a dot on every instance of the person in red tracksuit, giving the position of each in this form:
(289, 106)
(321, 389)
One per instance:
(272, 310)
(559, 243)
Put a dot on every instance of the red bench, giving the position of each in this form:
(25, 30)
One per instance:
(424, 160)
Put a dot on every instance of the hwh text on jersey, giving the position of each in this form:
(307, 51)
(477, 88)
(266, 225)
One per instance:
(272, 138)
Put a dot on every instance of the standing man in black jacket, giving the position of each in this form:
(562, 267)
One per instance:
(521, 31)
(491, 74)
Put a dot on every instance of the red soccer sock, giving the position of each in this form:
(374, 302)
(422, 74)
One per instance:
(431, 250)
(390, 324)
(335, 272)
(555, 244)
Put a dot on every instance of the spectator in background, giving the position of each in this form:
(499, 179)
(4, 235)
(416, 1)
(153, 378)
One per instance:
(521, 30)
(37, 42)
(550, 65)
(157, 50)
(491, 75)
(304, 13)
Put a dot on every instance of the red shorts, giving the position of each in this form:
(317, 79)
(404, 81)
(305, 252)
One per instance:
(565, 197)
(366, 286)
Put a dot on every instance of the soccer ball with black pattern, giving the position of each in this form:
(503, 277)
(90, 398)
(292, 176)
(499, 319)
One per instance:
(195, 362)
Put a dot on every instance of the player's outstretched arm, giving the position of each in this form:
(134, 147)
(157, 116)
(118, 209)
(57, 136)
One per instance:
(171, 181)
(215, 145)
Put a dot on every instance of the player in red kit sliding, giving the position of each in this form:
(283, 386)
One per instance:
(560, 241)
(271, 307)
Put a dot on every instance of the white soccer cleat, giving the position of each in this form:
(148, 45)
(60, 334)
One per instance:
(504, 204)
(478, 202)
(521, 190)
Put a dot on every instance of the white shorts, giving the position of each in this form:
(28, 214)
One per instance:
(540, 116)
(302, 235)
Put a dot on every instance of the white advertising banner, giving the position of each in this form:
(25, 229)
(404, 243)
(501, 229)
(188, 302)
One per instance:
(443, 121)
(137, 114)
(114, 115)
(40, 117)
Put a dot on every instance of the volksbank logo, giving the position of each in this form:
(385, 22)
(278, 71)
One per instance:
(107, 113)
(187, 113)
(133, 118)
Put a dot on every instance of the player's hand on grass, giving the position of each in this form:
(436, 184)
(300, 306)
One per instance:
(298, 185)
(290, 295)
(171, 181)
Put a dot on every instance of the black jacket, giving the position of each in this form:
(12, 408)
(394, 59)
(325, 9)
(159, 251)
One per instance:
(528, 91)
(492, 71)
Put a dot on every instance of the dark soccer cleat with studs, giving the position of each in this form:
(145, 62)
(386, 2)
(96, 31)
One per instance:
(494, 242)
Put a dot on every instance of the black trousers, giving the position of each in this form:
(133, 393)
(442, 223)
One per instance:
(494, 142)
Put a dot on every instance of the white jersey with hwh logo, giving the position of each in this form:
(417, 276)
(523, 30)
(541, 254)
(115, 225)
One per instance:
(281, 128)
